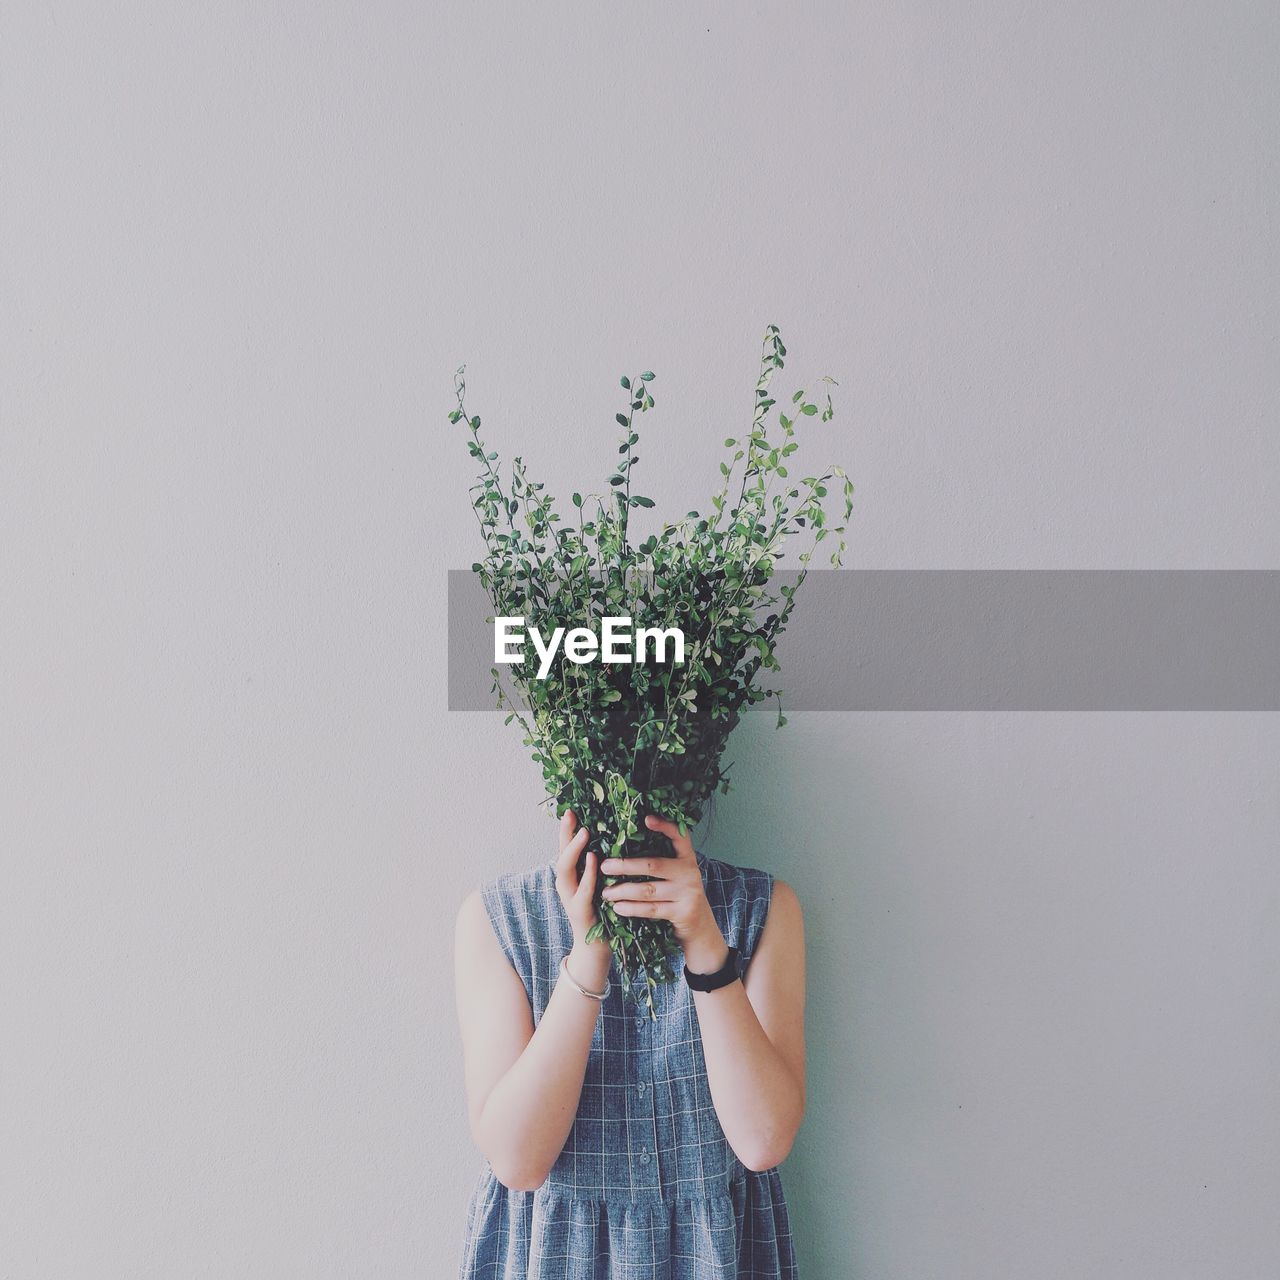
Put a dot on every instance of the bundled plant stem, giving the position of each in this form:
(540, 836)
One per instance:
(618, 740)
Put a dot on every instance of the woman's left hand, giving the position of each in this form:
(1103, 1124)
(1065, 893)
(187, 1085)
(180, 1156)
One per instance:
(677, 895)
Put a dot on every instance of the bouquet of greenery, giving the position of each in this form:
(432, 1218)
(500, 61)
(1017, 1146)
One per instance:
(617, 740)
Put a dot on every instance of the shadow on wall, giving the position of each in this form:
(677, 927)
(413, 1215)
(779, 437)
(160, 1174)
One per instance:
(816, 805)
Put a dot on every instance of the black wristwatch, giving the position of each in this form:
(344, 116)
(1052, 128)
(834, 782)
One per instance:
(726, 974)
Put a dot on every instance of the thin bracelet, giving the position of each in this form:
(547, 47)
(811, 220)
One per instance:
(595, 995)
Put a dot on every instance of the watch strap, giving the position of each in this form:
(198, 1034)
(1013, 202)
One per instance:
(727, 973)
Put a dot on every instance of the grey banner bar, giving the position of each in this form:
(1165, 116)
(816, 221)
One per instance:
(990, 640)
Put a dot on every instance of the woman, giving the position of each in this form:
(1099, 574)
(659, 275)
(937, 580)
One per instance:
(617, 1146)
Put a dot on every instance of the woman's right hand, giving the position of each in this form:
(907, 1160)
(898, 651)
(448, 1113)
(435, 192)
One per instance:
(576, 892)
(588, 961)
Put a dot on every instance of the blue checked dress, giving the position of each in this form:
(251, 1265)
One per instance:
(646, 1187)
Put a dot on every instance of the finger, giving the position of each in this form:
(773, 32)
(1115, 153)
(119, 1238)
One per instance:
(587, 885)
(568, 825)
(569, 855)
(636, 866)
(682, 843)
(652, 910)
(646, 891)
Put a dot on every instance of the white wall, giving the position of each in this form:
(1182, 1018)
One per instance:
(244, 247)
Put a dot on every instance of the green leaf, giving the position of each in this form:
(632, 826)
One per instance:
(647, 376)
(626, 383)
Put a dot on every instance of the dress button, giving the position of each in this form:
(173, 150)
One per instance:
(640, 1088)
(644, 1156)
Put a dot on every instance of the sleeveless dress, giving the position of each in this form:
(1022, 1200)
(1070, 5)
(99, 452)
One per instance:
(646, 1186)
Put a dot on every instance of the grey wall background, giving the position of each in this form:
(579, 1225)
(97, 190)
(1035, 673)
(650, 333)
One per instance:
(244, 248)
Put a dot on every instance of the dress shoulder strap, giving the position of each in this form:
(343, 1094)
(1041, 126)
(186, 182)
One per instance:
(529, 922)
(739, 898)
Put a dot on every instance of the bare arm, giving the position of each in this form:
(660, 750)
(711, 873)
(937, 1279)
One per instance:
(753, 1036)
(523, 1085)
(752, 1031)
